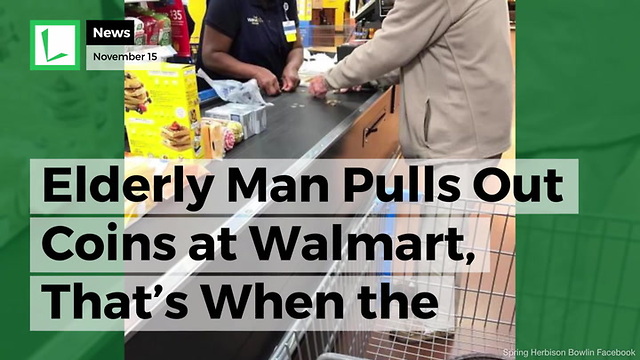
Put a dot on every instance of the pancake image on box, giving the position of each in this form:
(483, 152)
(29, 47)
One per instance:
(136, 97)
(176, 137)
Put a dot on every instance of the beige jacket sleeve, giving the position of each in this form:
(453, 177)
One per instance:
(392, 78)
(410, 27)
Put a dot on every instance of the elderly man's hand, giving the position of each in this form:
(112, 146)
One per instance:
(318, 87)
(356, 88)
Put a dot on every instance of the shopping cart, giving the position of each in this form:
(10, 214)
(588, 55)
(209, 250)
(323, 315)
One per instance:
(485, 302)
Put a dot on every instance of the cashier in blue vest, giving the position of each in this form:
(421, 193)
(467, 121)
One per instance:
(252, 39)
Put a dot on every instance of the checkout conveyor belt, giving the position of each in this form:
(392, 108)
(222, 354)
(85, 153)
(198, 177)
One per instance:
(297, 123)
(298, 127)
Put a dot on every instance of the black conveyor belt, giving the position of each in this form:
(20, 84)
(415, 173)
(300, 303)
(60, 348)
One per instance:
(292, 130)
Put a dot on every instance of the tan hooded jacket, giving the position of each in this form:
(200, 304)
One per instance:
(453, 60)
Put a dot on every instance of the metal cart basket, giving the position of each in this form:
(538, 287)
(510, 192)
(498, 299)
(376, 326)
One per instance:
(485, 301)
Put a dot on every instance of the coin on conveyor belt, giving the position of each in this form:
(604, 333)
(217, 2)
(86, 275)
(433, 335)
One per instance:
(333, 102)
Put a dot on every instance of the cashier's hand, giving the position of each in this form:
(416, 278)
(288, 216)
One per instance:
(318, 87)
(290, 79)
(267, 82)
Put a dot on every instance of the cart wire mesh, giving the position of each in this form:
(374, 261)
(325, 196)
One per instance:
(481, 319)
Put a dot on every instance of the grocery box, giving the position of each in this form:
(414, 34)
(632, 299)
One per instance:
(162, 111)
(213, 139)
(252, 117)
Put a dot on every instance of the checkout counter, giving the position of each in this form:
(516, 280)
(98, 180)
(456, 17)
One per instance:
(361, 125)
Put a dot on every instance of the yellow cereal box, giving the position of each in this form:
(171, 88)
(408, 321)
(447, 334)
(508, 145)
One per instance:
(162, 112)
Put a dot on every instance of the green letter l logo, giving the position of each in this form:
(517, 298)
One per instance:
(45, 42)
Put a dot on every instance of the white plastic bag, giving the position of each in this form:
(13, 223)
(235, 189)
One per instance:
(236, 92)
(313, 66)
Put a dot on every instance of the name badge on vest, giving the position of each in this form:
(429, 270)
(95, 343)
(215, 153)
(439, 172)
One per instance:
(290, 30)
(289, 26)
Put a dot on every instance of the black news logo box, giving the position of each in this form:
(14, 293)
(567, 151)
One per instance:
(110, 32)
